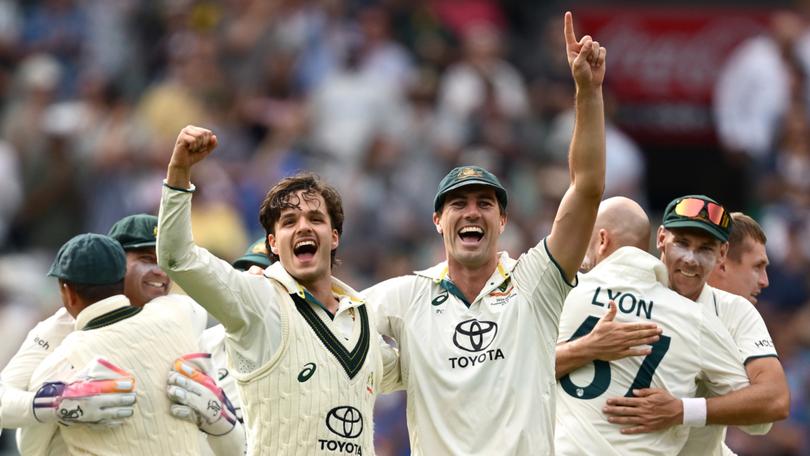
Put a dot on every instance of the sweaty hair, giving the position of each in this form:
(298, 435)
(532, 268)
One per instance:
(744, 227)
(94, 293)
(284, 196)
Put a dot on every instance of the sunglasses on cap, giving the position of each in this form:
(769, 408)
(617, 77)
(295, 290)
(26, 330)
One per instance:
(693, 207)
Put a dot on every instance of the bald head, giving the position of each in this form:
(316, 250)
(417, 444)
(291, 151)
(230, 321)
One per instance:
(620, 222)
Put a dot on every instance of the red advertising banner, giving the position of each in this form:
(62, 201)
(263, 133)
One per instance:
(663, 64)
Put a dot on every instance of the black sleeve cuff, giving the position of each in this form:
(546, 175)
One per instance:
(178, 189)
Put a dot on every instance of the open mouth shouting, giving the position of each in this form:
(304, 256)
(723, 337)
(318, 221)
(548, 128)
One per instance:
(305, 249)
(471, 235)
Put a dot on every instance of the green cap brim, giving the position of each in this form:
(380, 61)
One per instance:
(140, 245)
(705, 226)
(244, 263)
(500, 192)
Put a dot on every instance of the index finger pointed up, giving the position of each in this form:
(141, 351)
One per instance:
(570, 37)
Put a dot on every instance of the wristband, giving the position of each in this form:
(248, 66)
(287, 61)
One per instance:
(694, 411)
(191, 189)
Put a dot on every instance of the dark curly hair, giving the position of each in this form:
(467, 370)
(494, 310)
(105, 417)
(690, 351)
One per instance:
(283, 196)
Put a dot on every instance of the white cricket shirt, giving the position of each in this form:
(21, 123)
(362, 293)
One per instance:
(694, 346)
(251, 309)
(143, 341)
(15, 400)
(480, 379)
(753, 340)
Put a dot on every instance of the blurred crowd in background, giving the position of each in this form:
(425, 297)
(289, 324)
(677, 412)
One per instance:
(382, 98)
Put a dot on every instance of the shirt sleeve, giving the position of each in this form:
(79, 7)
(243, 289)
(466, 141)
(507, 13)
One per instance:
(386, 309)
(392, 374)
(245, 304)
(748, 329)
(722, 370)
(36, 440)
(388, 302)
(16, 408)
(38, 344)
(539, 275)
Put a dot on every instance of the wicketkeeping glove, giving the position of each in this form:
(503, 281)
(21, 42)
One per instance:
(197, 398)
(102, 394)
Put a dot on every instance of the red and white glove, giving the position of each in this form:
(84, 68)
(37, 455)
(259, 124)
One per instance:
(197, 398)
(101, 394)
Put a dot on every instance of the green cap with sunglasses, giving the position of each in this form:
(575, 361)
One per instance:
(701, 212)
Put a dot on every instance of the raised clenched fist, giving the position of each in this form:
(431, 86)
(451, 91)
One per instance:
(193, 144)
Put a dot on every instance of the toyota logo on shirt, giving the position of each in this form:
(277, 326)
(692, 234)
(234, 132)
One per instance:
(345, 421)
(475, 335)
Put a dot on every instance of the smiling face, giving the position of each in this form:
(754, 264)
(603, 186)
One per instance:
(303, 238)
(746, 277)
(144, 280)
(470, 223)
(690, 255)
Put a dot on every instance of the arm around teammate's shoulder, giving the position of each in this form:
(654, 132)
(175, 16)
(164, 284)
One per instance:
(765, 401)
(759, 389)
(389, 301)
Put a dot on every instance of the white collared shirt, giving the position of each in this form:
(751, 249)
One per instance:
(694, 346)
(144, 342)
(256, 313)
(15, 401)
(480, 379)
(245, 304)
(753, 340)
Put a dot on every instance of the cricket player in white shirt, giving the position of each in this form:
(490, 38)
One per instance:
(212, 341)
(91, 270)
(743, 271)
(477, 332)
(693, 242)
(693, 346)
(300, 343)
(144, 281)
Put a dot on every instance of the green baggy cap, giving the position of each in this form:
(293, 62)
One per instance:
(256, 254)
(701, 220)
(468, 175)
(135, 231)
(90, 259)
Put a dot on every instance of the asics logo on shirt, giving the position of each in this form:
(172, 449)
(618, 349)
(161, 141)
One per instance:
(221, 374)
(307, 372)
(439, 300)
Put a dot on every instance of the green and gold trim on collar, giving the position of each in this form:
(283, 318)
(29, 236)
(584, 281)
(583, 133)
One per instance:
(352, 361)
(451, 288)
(121, 313)
(445, 283)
